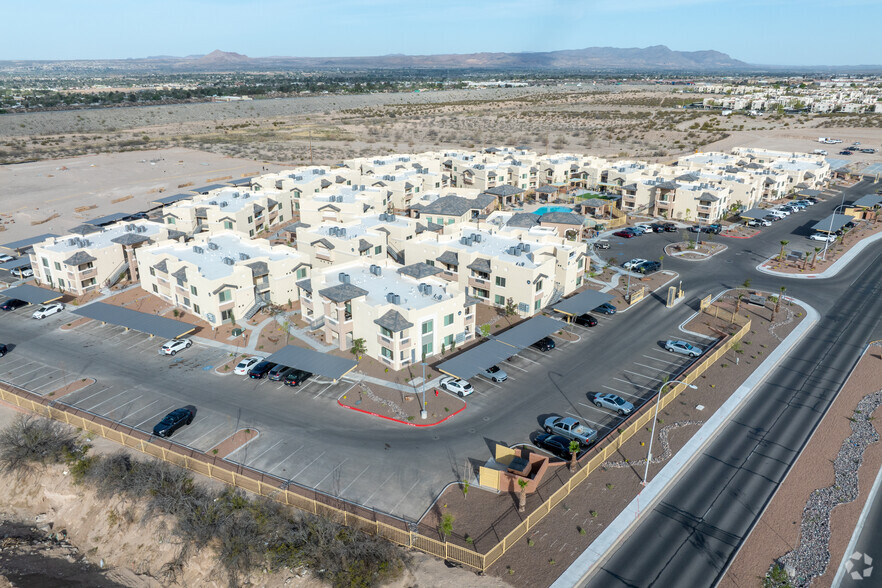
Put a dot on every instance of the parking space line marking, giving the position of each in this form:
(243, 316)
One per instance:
(596, 424)
(528, 359)
(517, 367)
(331, 472)
(324, 390)
(378, 488)
(405, 495)
(623, 393)
(164, 411)
(651, 367)
(138, 397)
(304, 467)
(50, 382)
(199, 438)
(641, 375)
(91, 395)
(661, 360)
(107, 400)
(633, 384)
(15, 377)
(343, 491)
(143, 407)
(258, 456)
(486, 380)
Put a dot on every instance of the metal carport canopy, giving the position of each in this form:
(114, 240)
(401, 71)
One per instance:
(477, 359)
(137, 321)
(832, 223)
(15, 246)
(582, 302)
(106, 220)
(165, 200)
(528, 332)
(16, 263)
(755, 213)
(32, 294)
(323, 364)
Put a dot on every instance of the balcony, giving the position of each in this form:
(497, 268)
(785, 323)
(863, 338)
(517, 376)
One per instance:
(384, 340)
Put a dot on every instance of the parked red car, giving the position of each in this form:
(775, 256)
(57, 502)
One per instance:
(624, 234)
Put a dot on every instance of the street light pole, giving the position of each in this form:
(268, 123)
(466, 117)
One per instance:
(423, 412)
(832, 216)
(661, 389)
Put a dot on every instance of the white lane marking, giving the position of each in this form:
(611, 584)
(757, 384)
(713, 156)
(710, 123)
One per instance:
(156, 416)
(138, 397)
(273, 446)
(641, 375)
(378, 488)
(107, 400)
(517, 367)
(206, 434)
(304, 467)
(633, 384)
(343, 491)
(677, 363)
(106, 388)
(325, 389)
(331, 472)
(142, 408)
(394, 508)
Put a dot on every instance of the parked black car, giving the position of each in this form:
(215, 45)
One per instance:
(279, 372)
(174, 421)
(556, 444)
(544, 344)
(261, 369)
(12, 304)
(647, 267)
(669, 227)
(297, 377)
(3, 349)
(586, 320)
(658, 227)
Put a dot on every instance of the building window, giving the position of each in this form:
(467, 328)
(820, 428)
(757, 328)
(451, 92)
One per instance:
(225, 296)
(227, 315)
(251, 233)
(170, 220)
(85, 266)
(448, 340)
(579, 280)
(450, 221)
(581, 262)
(429, 219)
(250, 219)
(427, 349)
(193, 291)
(155, 289)
(301, 273)
(430, 262)
(45, 262)
(57, 266)
(387, 353)
(538, 305)
(538, 285)
(428, 327)
(378, 249)
(500, 300)
(280, 219)
(500, 281)
(448, 320)
(60, 283)
(180, 282)
(152, 272)
(228, 224)
(196, 308)
(386, 332)
(186, 301)
(481, 293)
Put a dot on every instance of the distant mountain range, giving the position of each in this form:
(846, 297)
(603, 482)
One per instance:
(593, 59)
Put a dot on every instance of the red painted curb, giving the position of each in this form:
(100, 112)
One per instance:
(400, 421)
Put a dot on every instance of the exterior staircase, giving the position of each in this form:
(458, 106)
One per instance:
(254, 309)
(117, 275)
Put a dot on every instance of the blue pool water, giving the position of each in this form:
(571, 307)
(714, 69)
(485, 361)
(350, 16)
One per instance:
(546, 209)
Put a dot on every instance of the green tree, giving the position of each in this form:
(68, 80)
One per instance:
(778, 302)
(446, 527)
(522, 496)
(358, 348)
(484, 330)
(511, 309)
(574, 452)
(781, 255)
(815, 256)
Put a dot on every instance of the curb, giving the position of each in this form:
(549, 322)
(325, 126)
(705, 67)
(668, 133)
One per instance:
(620, 528)
(646, 296)
(398, 420)
(682, 253)
(831, 271)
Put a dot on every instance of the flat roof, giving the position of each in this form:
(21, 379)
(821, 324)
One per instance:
(583, 302)
(530, 331)
(110, 218)
(24, 243)
(32, 294)
(174, 198)
(316, 362)
(868, 200)
(809, 192)
(832, 223)
(138, 321)
(473, 361)
(15, 264)
(755, 213)
(872, 169)
(209, 188)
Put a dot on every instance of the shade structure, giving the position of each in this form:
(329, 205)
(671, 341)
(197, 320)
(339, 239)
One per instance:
(32, 294)
(137, 321)
(316, 362)
(583, 302)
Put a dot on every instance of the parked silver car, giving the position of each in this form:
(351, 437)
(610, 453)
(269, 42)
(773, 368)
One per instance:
(612, 402)
(683, 347)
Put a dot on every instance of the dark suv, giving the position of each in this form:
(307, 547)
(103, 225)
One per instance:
(3, 349)
(12, 304)
(586, 320)
(647, 267)
(297, 377)
(544, 344)
(174, 421)
(261, 369)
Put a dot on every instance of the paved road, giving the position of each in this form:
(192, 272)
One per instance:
(697, 526)
(869, 543)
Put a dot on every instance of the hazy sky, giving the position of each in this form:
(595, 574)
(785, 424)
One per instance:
(783, 32)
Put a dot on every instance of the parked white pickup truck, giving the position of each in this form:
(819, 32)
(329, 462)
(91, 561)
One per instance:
(571, 429)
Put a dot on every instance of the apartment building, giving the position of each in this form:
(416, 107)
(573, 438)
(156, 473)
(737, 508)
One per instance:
(452, 209)
(90, 257)
(390, 164)
(222, 276)
(402, 313)
(336, 243)
(531, 266)
(234, 209)
(342, 204)
(404, 187)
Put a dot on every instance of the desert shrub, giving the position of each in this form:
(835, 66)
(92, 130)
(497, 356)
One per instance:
(31, 440)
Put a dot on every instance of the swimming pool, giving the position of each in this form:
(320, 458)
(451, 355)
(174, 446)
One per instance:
(546, 209)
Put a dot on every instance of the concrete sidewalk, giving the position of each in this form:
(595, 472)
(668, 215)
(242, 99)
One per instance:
(585, 564)
(831, 271)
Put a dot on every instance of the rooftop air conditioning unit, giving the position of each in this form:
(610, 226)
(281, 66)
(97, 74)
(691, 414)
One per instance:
(223, 204)
(229, 261)
(339, 199)
(244, 256)
(344, 278)
(390, 297)
(478, 238)
(464, 240)
(235, 194)
(213, 246)
(342, 233)
(198, 249)
(213, 203)
(396, 299)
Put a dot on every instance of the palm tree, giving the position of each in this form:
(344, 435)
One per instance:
(574, 451)
(815, 256)
(522, 497)
(738, 303)
(358, 348)
(778, 302)
(781, 255)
